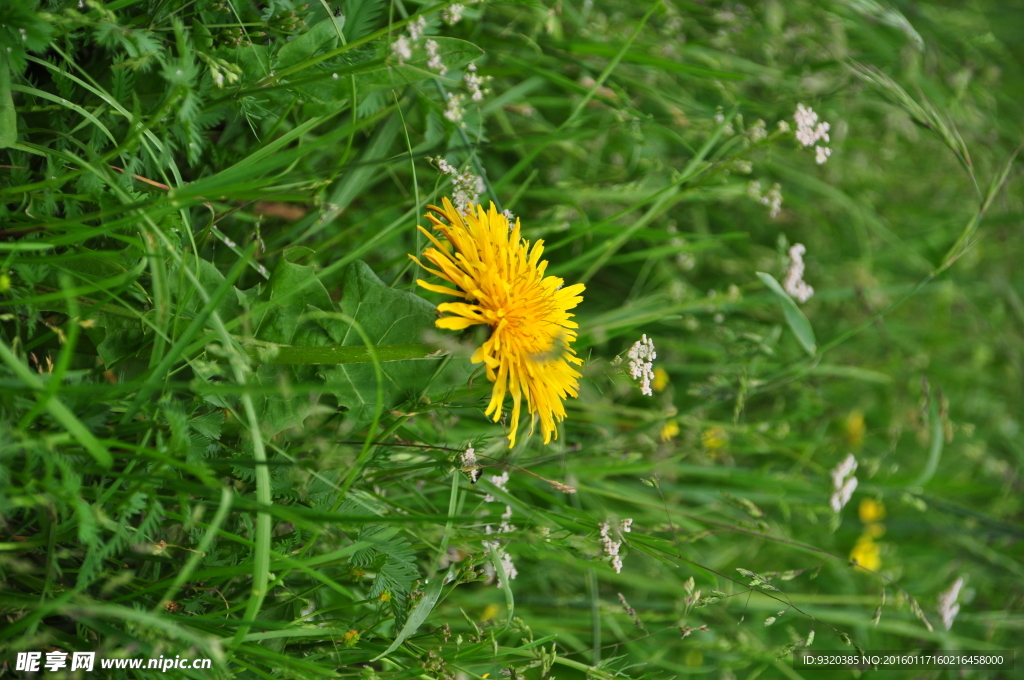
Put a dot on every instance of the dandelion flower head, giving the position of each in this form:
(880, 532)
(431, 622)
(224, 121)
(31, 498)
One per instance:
(500, 279)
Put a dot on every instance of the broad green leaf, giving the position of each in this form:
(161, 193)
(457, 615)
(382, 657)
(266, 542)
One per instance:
(798, 323)
(116, 331)
(323, 35)
(283, 323)
(388, 317)
(209, 277)
(280, 323)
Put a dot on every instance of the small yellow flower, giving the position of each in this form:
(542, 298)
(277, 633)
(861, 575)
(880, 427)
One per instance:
(350, 638)
(855, 428)
(385, 596)
(714, 438)
(490, 612)
(670, 430)
(5, 283)
(874, 530)
(870, 511)
(501, 281)
(866, 553)
(660, 379)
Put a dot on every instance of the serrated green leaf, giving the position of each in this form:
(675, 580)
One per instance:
(388, 317)
(322, 36)
(360, 16)
(798, 323)
(285, 322)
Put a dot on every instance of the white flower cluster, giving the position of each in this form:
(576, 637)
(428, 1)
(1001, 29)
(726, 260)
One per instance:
(466, 187)
(453, 110)
(809, 132)
(610, 545)
(794, 283)
(452, 14)
(475, 82)
(469, 464)
(720, 118)
(948, 607)
(501, 481)
(641, 363)
(757, 131)
(506, 560)
(843, 482)
(468, 459)
(771, 198)
(416, 27)
(434, 62)
(401, 49)
(507, 214)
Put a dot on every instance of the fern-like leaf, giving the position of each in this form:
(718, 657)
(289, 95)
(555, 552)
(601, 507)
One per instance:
(360, 17)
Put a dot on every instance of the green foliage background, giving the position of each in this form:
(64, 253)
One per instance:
(227, 430)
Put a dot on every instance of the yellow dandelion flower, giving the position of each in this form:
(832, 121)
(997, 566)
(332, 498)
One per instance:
(867, 553)
(670, 430)
(501, 281)
(660, 379)
(870, 511)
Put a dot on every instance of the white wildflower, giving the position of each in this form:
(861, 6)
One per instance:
(744, 167)
(611, 547)
(466, 187)
(469, 464)
(948, 606)
(434, 62)
(783, 126)
(401, 49)
(626, 525)
(773, 199)
(453, 109)
(641, 363)
(794, 283)
(452, 14)
(507, 214)
(416, 27)
(506, 526)
(506, 560)
(843, 482)
(720, 118)
(809, 132)
(757, 131)
(499, 481)
(474, 83)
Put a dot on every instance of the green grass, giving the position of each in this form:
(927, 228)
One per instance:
(225, 428)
